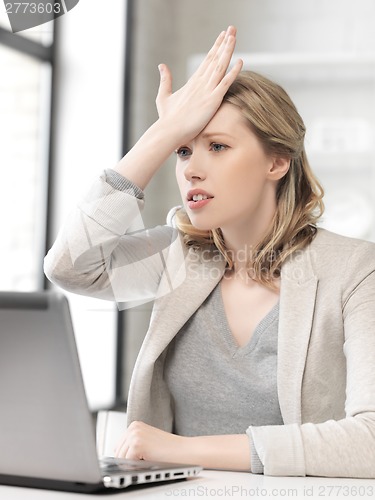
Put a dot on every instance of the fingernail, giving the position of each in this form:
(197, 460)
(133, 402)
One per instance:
(160, 67)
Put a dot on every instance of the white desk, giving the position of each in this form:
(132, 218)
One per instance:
(222, 485)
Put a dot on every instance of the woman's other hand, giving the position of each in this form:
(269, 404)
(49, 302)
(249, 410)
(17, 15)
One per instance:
(144, 442)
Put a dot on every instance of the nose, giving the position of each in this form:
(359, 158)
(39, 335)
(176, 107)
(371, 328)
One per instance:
(195, 169)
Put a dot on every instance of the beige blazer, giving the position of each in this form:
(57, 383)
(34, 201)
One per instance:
(326, 341)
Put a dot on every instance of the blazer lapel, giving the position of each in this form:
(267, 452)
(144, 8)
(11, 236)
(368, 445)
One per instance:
(297, 303)
(171, 311)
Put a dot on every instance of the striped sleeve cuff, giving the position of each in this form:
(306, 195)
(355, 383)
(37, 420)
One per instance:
(121, 183)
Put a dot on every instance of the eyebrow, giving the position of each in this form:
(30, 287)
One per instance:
(207, 135)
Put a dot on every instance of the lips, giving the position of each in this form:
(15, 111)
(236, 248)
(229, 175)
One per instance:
(198, 195)
(198, 198)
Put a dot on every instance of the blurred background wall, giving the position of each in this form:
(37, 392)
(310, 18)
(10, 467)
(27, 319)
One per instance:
(322, 52)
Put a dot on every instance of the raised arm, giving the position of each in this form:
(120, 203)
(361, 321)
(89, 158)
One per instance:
(97, 252)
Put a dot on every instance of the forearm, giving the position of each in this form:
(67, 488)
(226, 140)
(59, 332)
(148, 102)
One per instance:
(230, 451)
(150, 152)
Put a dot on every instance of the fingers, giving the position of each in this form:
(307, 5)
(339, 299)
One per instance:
(122, 449)
(211, 53)
(228, 79)
(228, 43)
(218, 58)
(125, 450)
(131, 445)
(222, 61)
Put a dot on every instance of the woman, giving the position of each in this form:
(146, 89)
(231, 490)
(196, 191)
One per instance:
(260, 350)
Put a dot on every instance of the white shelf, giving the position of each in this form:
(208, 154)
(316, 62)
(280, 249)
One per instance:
(360, 162)
(313, 67)
(310, 67)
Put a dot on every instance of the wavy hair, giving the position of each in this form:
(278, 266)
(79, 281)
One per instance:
(274, 119)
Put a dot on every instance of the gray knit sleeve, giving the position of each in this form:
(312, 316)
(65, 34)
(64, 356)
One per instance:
(121, 183)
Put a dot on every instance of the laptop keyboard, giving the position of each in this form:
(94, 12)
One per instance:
(110, 465)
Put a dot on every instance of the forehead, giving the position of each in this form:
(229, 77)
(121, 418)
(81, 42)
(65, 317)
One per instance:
(228, 119)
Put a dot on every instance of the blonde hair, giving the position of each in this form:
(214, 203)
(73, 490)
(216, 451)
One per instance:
(273, 118)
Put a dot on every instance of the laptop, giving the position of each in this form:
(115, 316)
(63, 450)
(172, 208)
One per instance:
(47, 435)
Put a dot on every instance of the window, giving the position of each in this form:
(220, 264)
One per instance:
(25, 95)
(24, 124)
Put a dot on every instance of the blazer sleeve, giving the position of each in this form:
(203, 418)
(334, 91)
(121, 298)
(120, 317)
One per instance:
(346, 447)
(104, 251)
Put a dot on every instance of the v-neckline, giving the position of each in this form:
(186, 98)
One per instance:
(261, 327)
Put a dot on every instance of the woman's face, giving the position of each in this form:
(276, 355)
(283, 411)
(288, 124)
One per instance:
(225, 178)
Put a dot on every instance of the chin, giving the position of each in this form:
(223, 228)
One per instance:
(202, 225)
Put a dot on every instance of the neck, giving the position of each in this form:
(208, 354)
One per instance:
(243, 242)
(243, 238)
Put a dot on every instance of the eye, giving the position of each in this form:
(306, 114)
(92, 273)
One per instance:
(217, 148)
(183, 152)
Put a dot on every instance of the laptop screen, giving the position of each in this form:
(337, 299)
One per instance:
(46, 428)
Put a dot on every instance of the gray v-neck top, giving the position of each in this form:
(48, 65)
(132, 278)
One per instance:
(216, 386)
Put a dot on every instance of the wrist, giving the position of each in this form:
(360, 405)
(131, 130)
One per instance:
(219, 452)
(149, 153)
(168, 130)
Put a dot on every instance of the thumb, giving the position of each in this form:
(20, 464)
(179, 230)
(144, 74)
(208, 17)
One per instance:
(165, 87)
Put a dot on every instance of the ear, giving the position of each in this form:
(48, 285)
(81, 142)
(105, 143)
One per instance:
(279, 168)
